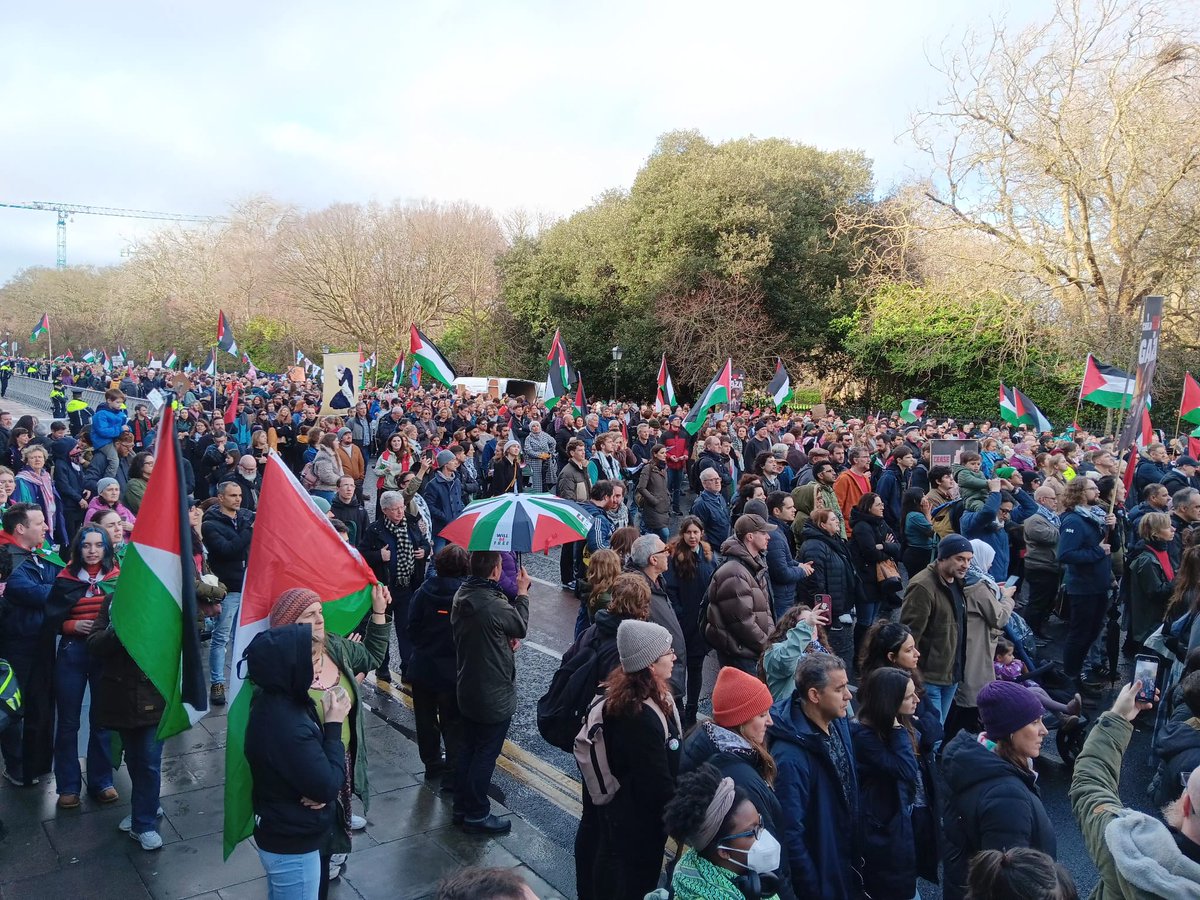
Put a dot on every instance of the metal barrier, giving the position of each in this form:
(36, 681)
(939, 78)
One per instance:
(36, 393)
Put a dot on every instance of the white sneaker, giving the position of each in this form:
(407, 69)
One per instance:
(150, 840)
(338, 859)
(335, 871)
(127, 823)
(357, 823)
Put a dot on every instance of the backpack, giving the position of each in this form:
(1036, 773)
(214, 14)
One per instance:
(591, 753)
(308, 477)
(561, 710)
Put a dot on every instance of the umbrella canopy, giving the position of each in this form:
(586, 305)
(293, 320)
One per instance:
(522, 523)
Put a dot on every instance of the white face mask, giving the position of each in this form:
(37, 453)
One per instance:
(763, 855)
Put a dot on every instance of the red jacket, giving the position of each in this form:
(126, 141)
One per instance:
(676, 445)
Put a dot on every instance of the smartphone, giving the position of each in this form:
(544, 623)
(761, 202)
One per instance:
(1145, 676)
(823, 605)
(1012, 580)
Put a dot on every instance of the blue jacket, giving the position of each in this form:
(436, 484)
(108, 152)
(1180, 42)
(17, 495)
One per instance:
(890, 489)
(887, 785)
(713, 510)
(1148, 472)
(107, 425)
(26, 594)
(983, 525)
(444, 499)
(1086, 568)
(820, 830)
(602, 527)
(784, 571)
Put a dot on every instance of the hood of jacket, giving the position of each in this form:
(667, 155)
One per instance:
(1146, 855)
(966, 763)
(1179, 736)
(857, 515)
(61, 449)
(805, 497)
(279, 660)
(607, 623)
(735, 549)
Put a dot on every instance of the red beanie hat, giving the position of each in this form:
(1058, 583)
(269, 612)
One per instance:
(738, 697)
(291, 604)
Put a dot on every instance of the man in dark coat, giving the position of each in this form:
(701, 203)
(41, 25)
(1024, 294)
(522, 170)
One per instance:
(226, 530)
(785, 572)
(817, 783)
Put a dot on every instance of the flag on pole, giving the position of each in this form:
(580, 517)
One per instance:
(666, 387)
(105, 361)
(581, 400)
(250, 370)
(70, 355)
(430, 358)
(556, 386)
(40, 328)
(398, 371)
(780, 387)
(1194, 444)
(154, 608)
(1189, 405)
(369, 363)
(210, 365)
(559, 357)
(225, 335)
(232, 405)
(1106, 386)
(286, 518)
(912, 410)
(1145, 435)
(1017, 409)
(89, 356)
(172, 360)
(718, 391)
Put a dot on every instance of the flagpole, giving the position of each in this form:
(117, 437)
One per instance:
(1132, 367)
(1079, 402)
(1179, 419)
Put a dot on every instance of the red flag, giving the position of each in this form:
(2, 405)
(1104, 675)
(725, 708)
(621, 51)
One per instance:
(231, 407)
(1189, 405)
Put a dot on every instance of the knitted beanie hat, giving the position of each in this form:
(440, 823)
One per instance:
(1006, 707)
(738, 697)
(105, 483)
(952, 545)
(640, 643)
(291, 604)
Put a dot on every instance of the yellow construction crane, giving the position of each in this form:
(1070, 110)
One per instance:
(63, 210)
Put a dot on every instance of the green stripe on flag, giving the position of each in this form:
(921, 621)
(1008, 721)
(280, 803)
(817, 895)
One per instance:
(344, 615)
(564, 515)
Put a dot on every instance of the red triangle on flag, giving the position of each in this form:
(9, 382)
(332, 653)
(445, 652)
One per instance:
(1189, 406)
(159, 527)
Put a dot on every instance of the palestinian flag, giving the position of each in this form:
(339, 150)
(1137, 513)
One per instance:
(225, 335)
(286, 519)
(1106, 386)
(666, 387)
(558, 356)
(369, 363)
(1189, 406)
(718, 391)
(430, 357)
(780, 387)
(154, 607)
(70, 355)
(398, 371)
(1017, 409)
(1194, 444)
(231, 406)
(556, 385)
(89, 356)
(581, 400)
(105, 361)
(210, 365)
(912, 410)
(171, 361)
(40, 328)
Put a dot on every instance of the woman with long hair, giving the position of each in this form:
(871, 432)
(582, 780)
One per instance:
(114, 526)
(394, 461)
(834, 573)
(327, 467)
(1087, 540)
(506, 471)
(919, 539)
(889, 781)
(141, 467)
(871, 543)
(690, 568)
(75, 599)
(642, 731)
(281, 438)
(734, 741)
(596, 591)
(993, 798)
(751, 490)
(799, 632)
(730, 849)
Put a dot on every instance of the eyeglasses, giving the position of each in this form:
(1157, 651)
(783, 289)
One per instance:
(755, 832)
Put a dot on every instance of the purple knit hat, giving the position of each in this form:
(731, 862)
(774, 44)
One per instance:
(1006, 707)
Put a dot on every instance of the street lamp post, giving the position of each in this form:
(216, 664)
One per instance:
(617, 353)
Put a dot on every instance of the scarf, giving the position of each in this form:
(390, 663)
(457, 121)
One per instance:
(403, 560)
(46, 485)
(695, 876)
(1159, 549)
(1051, 517)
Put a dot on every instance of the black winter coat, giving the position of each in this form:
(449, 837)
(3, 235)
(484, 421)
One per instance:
(887, 781)
(126, 698)
(291, 754)
(601, 635)
(867, 531)
(990, 805)
(834, 572)
(432, 662)
(228, 543)
(686, 595)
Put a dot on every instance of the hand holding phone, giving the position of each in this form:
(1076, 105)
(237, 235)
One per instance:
(1145, 677)
(823, 607)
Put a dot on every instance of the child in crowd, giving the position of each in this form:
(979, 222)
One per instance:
(1008, 668)
(972, 484)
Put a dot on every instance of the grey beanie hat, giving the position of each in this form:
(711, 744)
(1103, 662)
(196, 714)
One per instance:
(444, 458)
(105, 483)
(640, 643)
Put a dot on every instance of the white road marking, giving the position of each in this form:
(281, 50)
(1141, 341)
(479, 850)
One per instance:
(541, 648)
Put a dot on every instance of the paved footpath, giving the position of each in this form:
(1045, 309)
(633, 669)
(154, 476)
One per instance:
(408, 845)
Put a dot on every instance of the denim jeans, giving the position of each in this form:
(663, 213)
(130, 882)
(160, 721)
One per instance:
(941, 696)
(74, 671)
(143, 759)
(223, 635)
(292, 876)
(675, 486)
(481, 746)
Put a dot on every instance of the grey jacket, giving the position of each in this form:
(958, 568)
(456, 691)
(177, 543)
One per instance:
(1041, 541)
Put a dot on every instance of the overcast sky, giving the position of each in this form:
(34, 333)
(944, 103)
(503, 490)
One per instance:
(188, 108)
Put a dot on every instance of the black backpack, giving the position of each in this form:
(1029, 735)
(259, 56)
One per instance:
(561, 710)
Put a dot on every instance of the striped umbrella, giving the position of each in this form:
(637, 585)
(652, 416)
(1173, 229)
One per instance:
(522, 523)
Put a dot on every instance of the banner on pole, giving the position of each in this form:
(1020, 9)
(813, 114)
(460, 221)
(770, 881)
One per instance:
(1147, 362)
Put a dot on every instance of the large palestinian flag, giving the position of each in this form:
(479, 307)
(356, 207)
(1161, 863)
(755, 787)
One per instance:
(718, 391)
(293, 546)
(154, 608)
(1017, 409)
(1189, 405)
(912, 410)
(1106, 386)
(780, 387)
(225, 335)
(430, 358)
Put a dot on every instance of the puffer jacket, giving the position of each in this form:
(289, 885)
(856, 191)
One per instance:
(990, 805)
(739, 610)
(292, 755)
(834, 572)
(573, 483)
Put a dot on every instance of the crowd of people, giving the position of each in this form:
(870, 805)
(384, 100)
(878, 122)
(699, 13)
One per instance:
(875, 616)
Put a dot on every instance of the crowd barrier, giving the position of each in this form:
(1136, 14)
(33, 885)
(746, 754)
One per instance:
(36, 393)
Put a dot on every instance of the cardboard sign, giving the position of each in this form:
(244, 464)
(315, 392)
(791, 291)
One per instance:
(948, 453)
